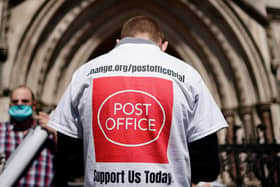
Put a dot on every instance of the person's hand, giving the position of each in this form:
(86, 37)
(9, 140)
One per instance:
(43, 119)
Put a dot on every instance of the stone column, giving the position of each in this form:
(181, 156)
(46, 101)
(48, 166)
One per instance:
(3, 42)
(275, 118)
(231, 137)
(229, 173)
(245, 158)
(264, 112)
(3, 35)
(265, 116)
(248, 124)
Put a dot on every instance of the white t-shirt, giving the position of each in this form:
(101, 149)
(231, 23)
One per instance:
(137, 108)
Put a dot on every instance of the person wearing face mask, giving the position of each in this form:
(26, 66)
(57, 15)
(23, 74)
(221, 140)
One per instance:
(23, 117)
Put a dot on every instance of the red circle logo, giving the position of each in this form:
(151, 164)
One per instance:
(131, 118)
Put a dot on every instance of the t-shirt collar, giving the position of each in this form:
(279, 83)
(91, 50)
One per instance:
(135, 41)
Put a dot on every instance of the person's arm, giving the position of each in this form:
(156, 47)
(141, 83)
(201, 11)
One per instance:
(68, 160)
(204, 157)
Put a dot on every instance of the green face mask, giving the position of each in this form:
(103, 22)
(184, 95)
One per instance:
(20, 112)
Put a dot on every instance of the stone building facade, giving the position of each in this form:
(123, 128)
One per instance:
(234, 44)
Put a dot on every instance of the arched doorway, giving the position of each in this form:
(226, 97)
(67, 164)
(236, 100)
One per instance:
(210, 35)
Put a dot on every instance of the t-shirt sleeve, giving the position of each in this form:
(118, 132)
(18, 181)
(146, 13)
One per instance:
(207, 117)
(65, 117)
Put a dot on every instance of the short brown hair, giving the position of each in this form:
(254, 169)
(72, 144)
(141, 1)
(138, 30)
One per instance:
(26, 87)
(142, 25)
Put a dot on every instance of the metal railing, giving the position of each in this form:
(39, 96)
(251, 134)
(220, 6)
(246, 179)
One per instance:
(251, 164)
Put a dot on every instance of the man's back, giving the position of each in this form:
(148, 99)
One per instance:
(137, 109)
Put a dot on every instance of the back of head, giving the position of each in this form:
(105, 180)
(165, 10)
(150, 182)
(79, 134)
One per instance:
(142, 27)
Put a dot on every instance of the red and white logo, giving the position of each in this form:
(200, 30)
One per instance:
(131, 119)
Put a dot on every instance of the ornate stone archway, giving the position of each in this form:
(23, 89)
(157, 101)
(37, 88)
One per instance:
(230, 44)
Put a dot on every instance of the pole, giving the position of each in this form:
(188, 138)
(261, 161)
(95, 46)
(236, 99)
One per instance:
(22, 156)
